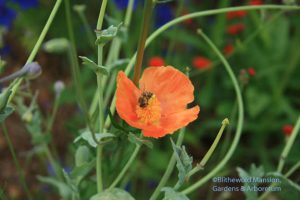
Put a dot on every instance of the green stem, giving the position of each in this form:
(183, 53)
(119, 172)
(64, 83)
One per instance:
(101, 15)
(288, 146)
(178, 20)
(238, 133)
(243, 44)
(293, 169)
(100, 99)
(99, 168)
(143, 36)
(126, 167)
(19, 169)
(286, 175)
(53, 114)
(169, 169)
(87, 28)
(37, 46)
(53, 163)
(211, 150)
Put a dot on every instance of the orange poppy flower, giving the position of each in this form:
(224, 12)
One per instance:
(158, 106)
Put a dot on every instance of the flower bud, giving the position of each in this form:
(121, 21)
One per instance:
(32, 70)
(79, 8)
(27, 116)
(59, 86)
(57, 45)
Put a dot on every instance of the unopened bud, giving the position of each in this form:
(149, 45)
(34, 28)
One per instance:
(59, 86)
(32, 70)
(57, 45)
(27, 117)
(79, 8)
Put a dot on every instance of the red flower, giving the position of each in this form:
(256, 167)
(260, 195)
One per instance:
(287, 129)
(235, 29)
(228, 49)
(236, 14)
(201, 62)
(156, 61)
(251, 71)
(255, 2)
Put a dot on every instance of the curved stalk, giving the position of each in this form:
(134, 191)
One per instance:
(239, 123)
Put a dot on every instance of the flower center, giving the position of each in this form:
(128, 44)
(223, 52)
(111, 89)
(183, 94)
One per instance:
(148, 109)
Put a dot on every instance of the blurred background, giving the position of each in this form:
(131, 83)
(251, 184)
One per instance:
(263, 47)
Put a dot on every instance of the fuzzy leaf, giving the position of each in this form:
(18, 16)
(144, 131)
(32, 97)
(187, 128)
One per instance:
(87, 136)
(64, 190)
(113, 194)
(254, 172)
(5, 113)
(107, 35)
(184, 162)
(289, 189)
(82, 155)
(171, 194)
(139, 141)
(93, 66)
(79, 172)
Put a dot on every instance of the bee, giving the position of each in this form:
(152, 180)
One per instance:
(144, 98)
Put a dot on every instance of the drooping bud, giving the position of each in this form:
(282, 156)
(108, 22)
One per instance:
(32, 70)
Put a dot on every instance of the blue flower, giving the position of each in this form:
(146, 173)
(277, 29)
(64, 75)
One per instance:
(163, 14)
(7, 15)
(122, 4)
(26, 4)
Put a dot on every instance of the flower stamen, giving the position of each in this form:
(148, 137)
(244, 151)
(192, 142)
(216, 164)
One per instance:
(148, 109)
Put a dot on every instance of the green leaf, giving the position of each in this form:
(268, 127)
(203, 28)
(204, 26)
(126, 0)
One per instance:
(82, 155)
(256, 172)
(171, 194)
(184, 162)
(257, 102)
(87, 136)
(4, 97)
(5, 113)
(139, 141)
(289, 189)
(64, 190)
(79, 172)
(93, 66)
(113, 194)
(107, 35)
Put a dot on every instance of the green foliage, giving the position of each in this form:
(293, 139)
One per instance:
(113, 194)
(5, 113)
(139, 141)
(254, 172)
(86, 135)
(93, 66)
(64, 189)
(184, 162)
(171, 194)
(107, 35)
(289, 188)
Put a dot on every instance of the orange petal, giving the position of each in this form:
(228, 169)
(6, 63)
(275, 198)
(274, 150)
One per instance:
(127, 95)
(180, 119)
(173, 88)
(171, 123)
